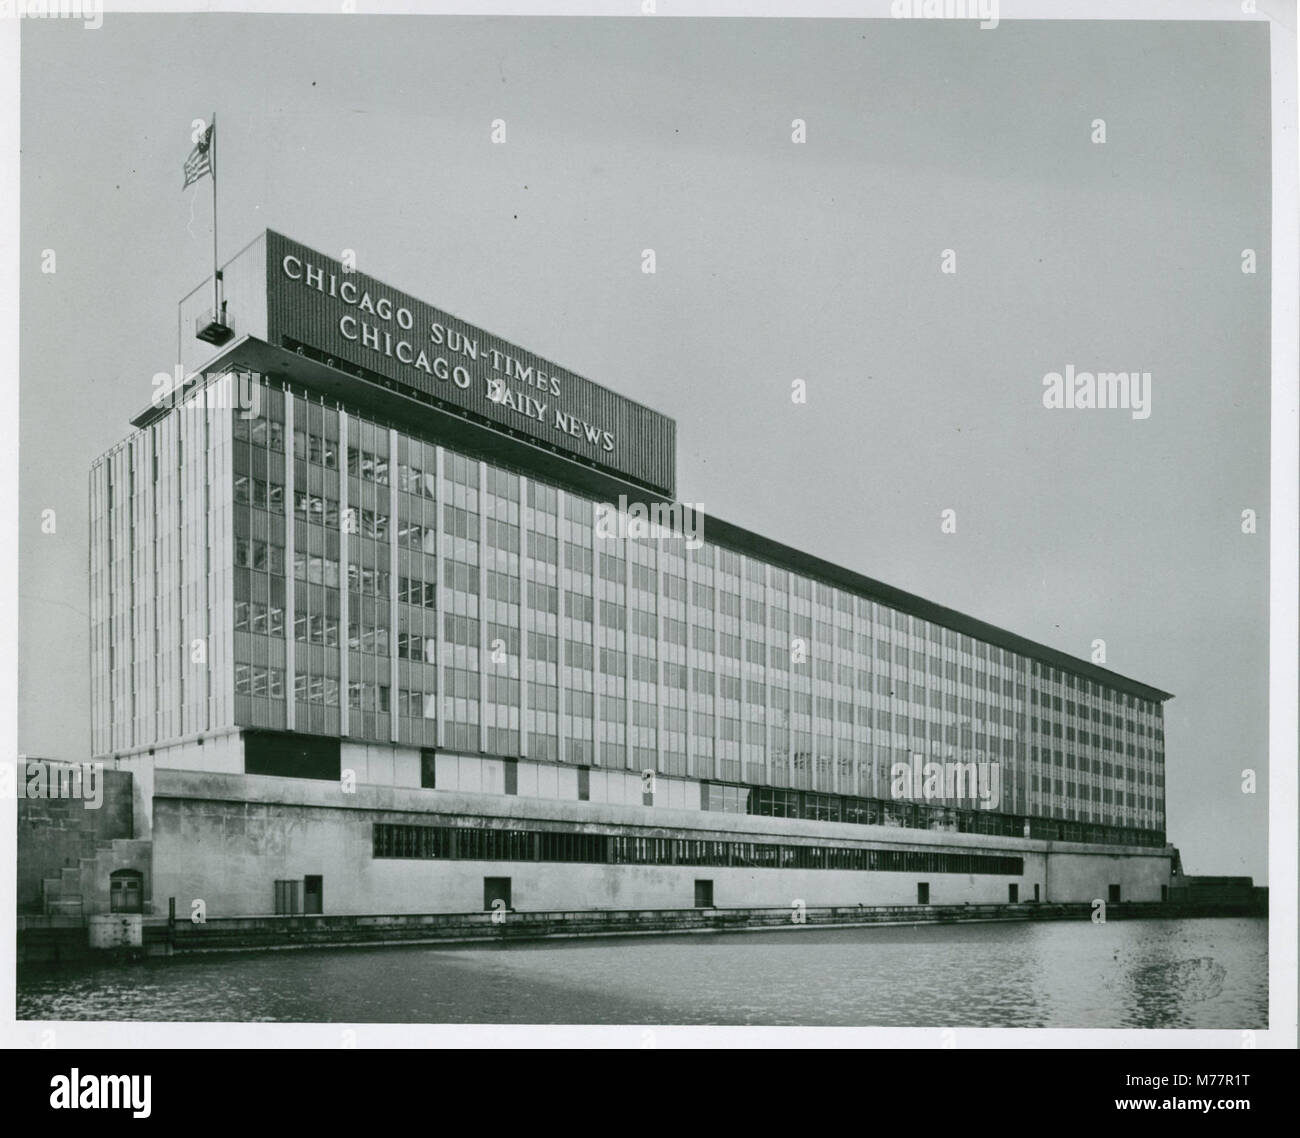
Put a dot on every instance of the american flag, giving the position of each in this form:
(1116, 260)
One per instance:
(200, 160)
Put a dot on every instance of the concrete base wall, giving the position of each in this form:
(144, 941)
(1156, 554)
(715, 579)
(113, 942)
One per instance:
(1086, 877)
(231, 859)
(227, 839)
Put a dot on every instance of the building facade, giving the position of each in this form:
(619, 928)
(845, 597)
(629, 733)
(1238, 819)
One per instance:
(379, 623)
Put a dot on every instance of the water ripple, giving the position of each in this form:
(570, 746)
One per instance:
(1193, 973)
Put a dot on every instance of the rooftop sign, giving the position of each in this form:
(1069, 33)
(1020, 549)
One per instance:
(354, 319)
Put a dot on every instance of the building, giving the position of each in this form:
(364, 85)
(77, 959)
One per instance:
(378, 627)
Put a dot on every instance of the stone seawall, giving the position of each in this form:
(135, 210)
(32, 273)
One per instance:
(44, 941)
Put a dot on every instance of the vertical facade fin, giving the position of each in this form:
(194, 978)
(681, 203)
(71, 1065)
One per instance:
(290, 598)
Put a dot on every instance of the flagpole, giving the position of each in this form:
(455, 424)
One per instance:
(216, 278)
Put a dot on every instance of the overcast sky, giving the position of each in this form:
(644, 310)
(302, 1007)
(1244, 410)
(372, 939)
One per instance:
(775, 261)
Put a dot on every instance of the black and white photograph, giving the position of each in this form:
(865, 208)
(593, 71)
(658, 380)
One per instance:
(659, 517)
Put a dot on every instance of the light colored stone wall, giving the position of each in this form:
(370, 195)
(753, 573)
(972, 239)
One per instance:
(1087, 877)
(226, 839)
(230, 854)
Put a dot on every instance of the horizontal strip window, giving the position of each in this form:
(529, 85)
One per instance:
(464, 844)
(769, 802)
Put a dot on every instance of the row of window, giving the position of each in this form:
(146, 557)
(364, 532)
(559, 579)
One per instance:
(254, 616)
(260, 431)
(422, 483)
(364, 464)
(319, 570)
(776, 802)
(417, 704)
(324, 510)
(362, 696)
(424, 593)
(899, 636)
(322, 628)
(263, 495)
(413, 646)
(477, 844)
(264, 556)
(253, 680)
(727, 563)
(413, 591)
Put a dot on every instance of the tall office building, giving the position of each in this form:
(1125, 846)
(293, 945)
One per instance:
(379, 625)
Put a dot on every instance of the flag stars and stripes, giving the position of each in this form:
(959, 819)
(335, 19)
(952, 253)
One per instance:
(199, 161)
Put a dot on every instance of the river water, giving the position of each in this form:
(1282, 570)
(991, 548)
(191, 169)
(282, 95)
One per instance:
(1131, 973)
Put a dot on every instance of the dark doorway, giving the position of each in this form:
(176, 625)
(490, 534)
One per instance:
(126, 891)
(1114, 895)
(922, 892)
(1013, 893)
(313, 894)
(1164, 892)
(704, 894)
(1035, 891)
(496, 889)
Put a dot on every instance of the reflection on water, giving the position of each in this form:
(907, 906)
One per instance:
(1192, 973)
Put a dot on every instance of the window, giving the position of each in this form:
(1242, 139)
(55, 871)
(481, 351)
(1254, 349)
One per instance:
(291, 755)
(429, 769)
(480, 842)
